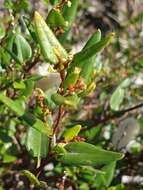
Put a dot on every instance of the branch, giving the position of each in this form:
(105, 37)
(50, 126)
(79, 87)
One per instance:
(113, 116)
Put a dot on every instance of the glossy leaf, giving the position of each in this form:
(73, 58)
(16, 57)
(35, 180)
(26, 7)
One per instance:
(46, 48)
(80, 153)
(94, 49)
(94, 39)
(72, 132)
(51, 49)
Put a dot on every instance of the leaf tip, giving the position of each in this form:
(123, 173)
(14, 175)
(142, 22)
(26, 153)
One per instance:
(98, 30)
(37, 16)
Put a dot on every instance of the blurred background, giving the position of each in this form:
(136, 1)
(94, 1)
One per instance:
(113, 115)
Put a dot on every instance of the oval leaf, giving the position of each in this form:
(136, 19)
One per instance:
(55, 18)
(80, 153)
(94, 49)
(72, 132)
(23, 48)
(117, 98)
(50, 46)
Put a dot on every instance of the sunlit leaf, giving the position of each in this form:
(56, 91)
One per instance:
(48, 41)
(72, 132)
(94, 49)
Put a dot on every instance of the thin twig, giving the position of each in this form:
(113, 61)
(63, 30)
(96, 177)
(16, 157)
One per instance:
(55, 129)
(113, 116)
(58, 119)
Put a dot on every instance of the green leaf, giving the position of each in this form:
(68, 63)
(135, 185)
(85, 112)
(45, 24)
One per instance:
(42, 39)
(80, 153)
(117, 98)
(23, 49)
(36, 123)
(87, 69)
(7, 49)
(59, 149)
(92, 133)
(30, 27)
(118, 187)
(13, 56)
(4, 58)
(54, 2)
(2, 31)
(94, 39)
(94, 49)
(7, 158)
(27, 91)
(125, 83)
(104, 179)
(71, 101)
(69, 14)
(71, 78)
(37, 143)
(51, 49)
(15, 106)
(19, 85)
(32, 178)
(55, 18)
(87, 65)
(72, 132)
(58, 99)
